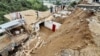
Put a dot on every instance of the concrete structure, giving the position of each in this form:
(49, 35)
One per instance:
(16, 15)
(67, 2)
(36, 24)
(11, 24)
(29, 16)
(49, 24)
(13, 34)
(62, 14)
(49, 5)
(94, 6)
(92, 1)
(17, 22)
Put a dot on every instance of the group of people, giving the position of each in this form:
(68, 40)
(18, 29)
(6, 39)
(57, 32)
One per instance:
(57, 8)
(54, 9)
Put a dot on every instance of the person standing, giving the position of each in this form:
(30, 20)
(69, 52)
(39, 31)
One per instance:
(51, 9)
(63, 7)
(55, 9)
(20, 16)
(37, 13)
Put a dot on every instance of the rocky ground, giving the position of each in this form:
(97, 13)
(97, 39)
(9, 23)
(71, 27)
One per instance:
(79, 35)
(74, 38)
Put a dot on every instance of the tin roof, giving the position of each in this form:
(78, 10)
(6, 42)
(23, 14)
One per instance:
(11, 24)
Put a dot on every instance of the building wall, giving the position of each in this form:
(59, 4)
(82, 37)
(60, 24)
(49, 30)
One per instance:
(37, 26)
(49, 24)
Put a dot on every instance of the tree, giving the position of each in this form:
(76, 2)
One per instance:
(73, 4)
(2, 19)
(36, 5)
(58, 3)
(7, 6)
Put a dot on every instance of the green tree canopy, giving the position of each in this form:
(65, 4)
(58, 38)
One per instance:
(73, 4)
(38, 5)
(8, 6)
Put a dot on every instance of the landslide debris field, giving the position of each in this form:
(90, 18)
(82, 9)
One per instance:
(78, 36)
(74, 38)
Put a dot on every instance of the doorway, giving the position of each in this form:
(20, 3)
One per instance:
(41, 25)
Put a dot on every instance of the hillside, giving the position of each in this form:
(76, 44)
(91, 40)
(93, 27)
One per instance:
(73, 38)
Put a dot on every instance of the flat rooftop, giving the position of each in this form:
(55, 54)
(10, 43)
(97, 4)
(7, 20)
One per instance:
(92, 4)
(30, 16)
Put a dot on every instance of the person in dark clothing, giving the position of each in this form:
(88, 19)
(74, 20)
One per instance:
(63, 7)
(51, 9)
(20, 16)
(0, 55)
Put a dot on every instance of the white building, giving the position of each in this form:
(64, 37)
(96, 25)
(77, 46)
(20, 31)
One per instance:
(61, 1)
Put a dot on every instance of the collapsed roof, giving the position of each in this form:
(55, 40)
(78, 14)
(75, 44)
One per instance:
(11, 24)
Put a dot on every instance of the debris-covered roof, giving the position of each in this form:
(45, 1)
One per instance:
(30, 16)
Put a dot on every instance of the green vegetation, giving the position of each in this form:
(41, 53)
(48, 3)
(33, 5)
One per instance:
(58, 3)
(73, 4)
(8, 6)
(37, 5)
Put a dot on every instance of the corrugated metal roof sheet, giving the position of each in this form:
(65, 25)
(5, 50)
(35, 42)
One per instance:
(11, 24)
